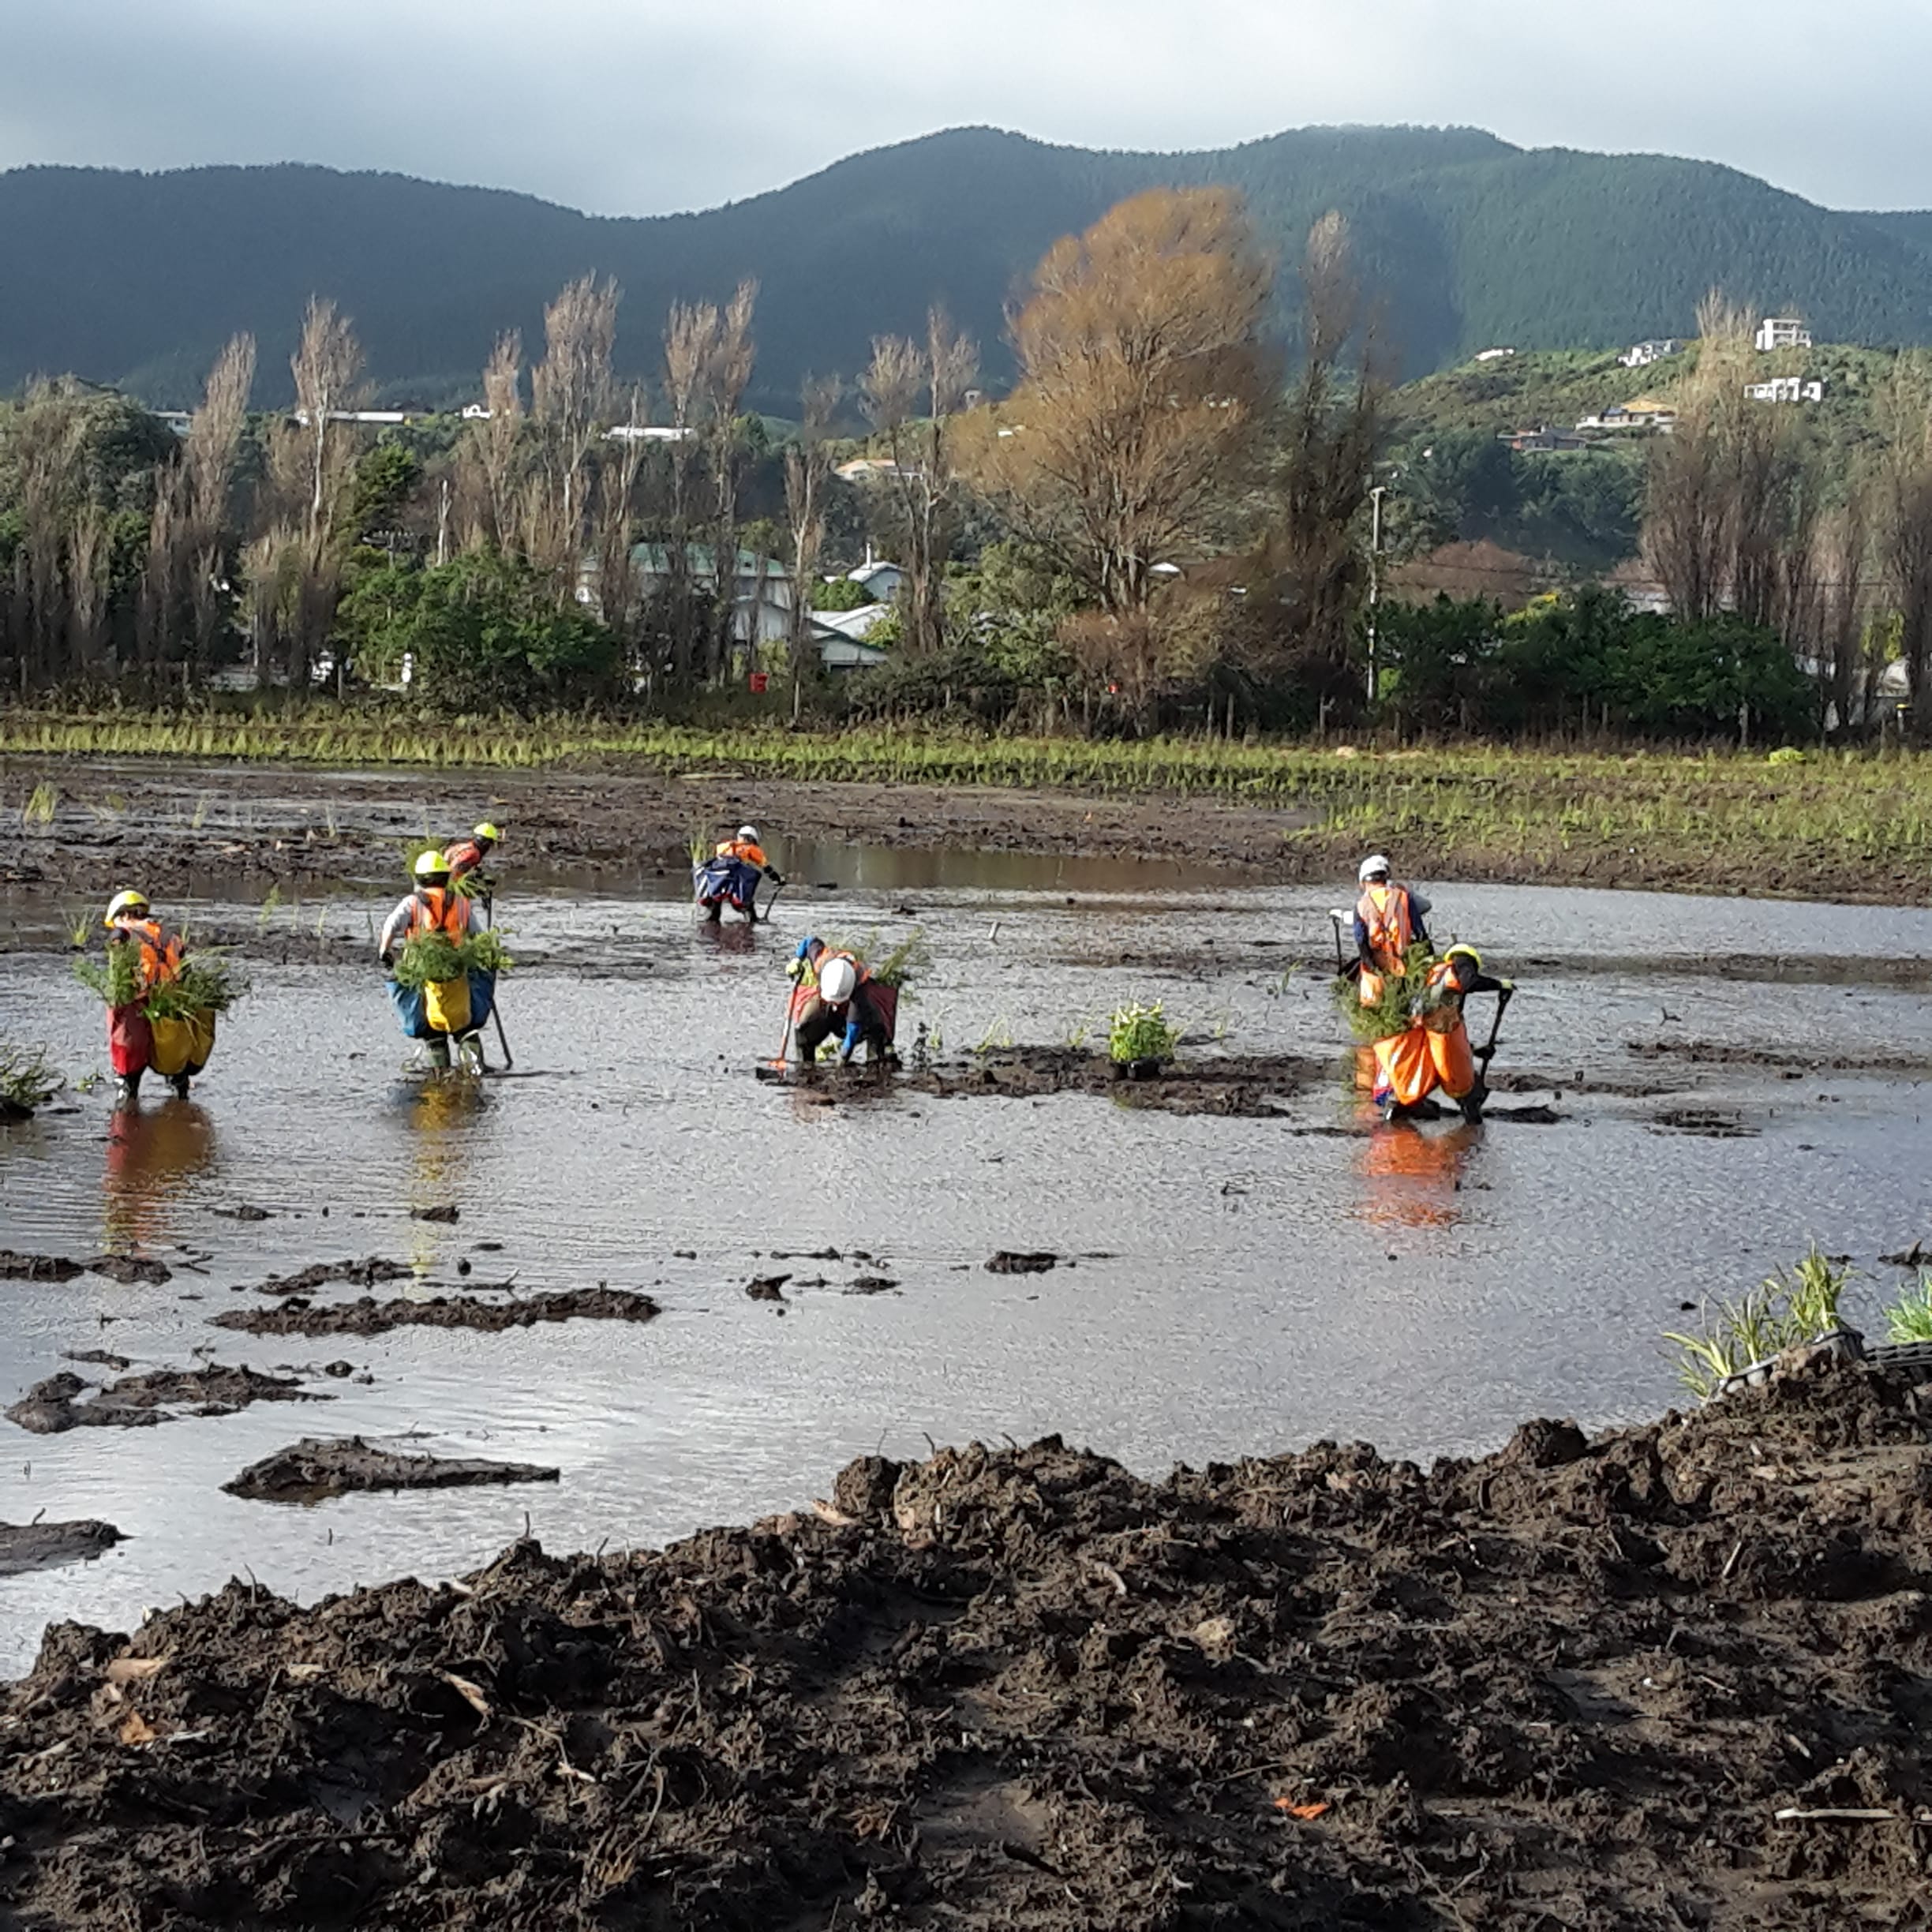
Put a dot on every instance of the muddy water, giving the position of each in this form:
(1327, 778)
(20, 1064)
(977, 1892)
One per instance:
(1230, 1285)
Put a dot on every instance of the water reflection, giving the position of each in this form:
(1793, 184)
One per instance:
(152, 1159)
(1414, 1175)
(444, 1114)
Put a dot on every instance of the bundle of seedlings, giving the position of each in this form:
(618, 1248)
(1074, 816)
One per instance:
(1393, 1012)
(1909, 1318)
(115, 979)
(207, 982)
(1139, 1035)
(434, 958)
(903, 963)
(1792, 1308)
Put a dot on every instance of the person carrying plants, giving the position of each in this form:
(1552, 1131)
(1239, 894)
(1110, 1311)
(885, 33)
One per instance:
(465, 860)
(427, 1009)
(154, 956)
(1388, 922)
(1434, 1052)
(833, 992)
(730, 876)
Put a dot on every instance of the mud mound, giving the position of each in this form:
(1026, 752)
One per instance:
(364, 1274)
(368, 1316)
(1573, 1684)
(52, 1407)
(45, 1546)
(1248, 1085)
(126, 1269)
(311, 1471)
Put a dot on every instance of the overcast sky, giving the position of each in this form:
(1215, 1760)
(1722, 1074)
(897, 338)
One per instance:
(640, 107)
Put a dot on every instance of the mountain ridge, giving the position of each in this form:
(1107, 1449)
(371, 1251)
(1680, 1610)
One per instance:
(136, 278)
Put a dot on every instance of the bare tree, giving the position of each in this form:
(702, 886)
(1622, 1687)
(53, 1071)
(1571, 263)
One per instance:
(727, 375)
(808, 472)
(571, 392)
(1143, 378)
(496, 439)
(1310, 561)
(1906, 537)
(689, 336)
(921, 475)
(328, 369)
(617, 485)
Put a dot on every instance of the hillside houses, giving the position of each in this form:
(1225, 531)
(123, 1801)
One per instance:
(1641, 355)
(1786, 389)
(1777, 332)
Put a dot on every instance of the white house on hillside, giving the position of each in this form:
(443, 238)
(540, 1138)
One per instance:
(1641, 355)
(1786, 389)
(1782, 332)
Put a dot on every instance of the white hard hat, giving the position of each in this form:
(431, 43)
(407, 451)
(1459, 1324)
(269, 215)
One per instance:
(838, 981)
(1370, 866)
(749, 834)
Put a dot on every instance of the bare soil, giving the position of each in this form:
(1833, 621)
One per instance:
(368, 1316)
(298, 826)
(311, 1471)
(1671, 1677)
(1251, 1085)
(364, 1274)
(53, 1407)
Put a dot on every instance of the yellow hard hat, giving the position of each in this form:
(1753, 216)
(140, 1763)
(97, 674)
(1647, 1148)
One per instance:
(489, 831)
(125, 902)
(1469, 953)
(432, 865)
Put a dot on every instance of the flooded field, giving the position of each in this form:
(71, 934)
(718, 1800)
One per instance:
(1731, 1080)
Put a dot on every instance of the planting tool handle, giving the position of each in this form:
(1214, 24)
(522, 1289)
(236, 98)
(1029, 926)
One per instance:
(765, 917)
(1335, 923)
(1488, 1049)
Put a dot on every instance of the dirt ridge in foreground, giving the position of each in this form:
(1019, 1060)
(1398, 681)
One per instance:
(1572, 1684)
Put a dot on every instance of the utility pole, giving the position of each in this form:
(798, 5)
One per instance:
(1375, 580)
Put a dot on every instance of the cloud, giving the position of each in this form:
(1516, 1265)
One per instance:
(638, 106)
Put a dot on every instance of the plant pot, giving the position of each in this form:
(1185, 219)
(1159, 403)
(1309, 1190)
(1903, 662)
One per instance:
(1847, 1344)
(1147, 1069)
(1911, 1362)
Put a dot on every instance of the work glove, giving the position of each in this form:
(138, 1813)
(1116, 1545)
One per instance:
(795, 970)
(1509, 985)
(773, 874)
(388, 962)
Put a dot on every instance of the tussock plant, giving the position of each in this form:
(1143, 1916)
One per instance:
(1139, 1033)
(42, 803)
(1909, 1318)
(1786, 1310)
(26, 1077)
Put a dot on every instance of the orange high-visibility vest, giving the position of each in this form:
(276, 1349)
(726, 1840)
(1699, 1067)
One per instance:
(1385, 910)
(744, 849)
(160, 951)
(438, 907)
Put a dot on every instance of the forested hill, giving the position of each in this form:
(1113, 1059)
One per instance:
(136, 279)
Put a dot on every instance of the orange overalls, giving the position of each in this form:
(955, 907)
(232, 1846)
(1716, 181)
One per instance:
(1434, 1052)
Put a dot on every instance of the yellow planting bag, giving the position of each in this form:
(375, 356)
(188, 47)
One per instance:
(446, 1004)
(174, 1045)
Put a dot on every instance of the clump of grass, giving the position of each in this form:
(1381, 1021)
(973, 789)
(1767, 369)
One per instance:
(1909, 1318)
(208, 982)
(42, 803)
(26, 1077)
(115, 979)
(1785, 1310)
(1392, 1013)
(1137, 1032)
(431, 958)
